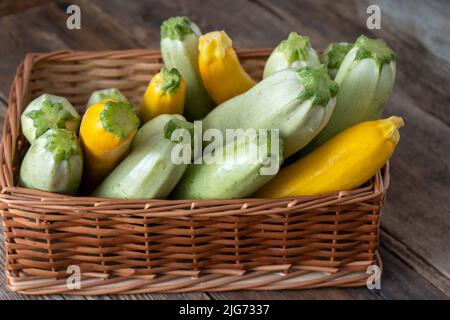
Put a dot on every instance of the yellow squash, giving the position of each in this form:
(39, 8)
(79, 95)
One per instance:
(165, 94)
(221, 72)
(342, 163)
(106, 131)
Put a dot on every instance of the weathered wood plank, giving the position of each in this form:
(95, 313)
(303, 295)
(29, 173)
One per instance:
(43, 29)
(8, 7)
(425, 20)
(163, 296)
(418, 202)
(400, 281)
(422, 267)
(248, 25)
(305, 294)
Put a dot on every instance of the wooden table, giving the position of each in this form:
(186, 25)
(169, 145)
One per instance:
(415, 243)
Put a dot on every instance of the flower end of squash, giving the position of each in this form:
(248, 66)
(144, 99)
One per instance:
(119, 118)
(167, 81)
(375, 49)
(176, 28)
(317, 85)
(390, 128)
(293, 52)
(62, 144)
(51, 115)
(48, 112)
(214, 45)
(295, 47)
(333, 56)
(397, 121)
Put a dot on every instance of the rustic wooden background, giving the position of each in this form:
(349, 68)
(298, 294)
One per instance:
(415, 244)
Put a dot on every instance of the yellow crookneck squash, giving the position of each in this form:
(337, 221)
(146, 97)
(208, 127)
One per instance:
(220, 69)
(106, 131)
(344, 162)
(165, 94)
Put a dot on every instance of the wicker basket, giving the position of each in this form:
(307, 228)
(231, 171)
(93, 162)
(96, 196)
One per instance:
(137, 246)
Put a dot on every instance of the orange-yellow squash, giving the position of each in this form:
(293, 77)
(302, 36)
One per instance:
(342, 163)
(106, 131)
(165, 94)
(221, 72)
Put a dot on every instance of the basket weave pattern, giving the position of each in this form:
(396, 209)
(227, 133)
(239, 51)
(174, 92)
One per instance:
(135, 246)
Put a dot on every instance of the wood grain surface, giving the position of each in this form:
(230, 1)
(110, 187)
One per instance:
(416, 221)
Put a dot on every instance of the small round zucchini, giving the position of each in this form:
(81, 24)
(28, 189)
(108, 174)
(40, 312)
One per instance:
(54, 163)
(48, 112)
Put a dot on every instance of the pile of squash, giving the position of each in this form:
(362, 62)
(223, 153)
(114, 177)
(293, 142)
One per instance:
(319, 115)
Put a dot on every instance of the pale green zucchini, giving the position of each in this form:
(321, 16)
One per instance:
(148, 171)
(48, 112)
(333, 56)
(179, 49)
(366, 78)
(54, 163)
(246, 164)
(298, 102)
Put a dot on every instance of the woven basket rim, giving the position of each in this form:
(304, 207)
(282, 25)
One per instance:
(73, 55)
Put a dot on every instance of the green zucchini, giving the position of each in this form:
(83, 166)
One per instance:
(333, 56)
(48, 112)
(54, 163)
(246, 164)
(298, 102)
(366, 77)
(148, 171)
(179, 49)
